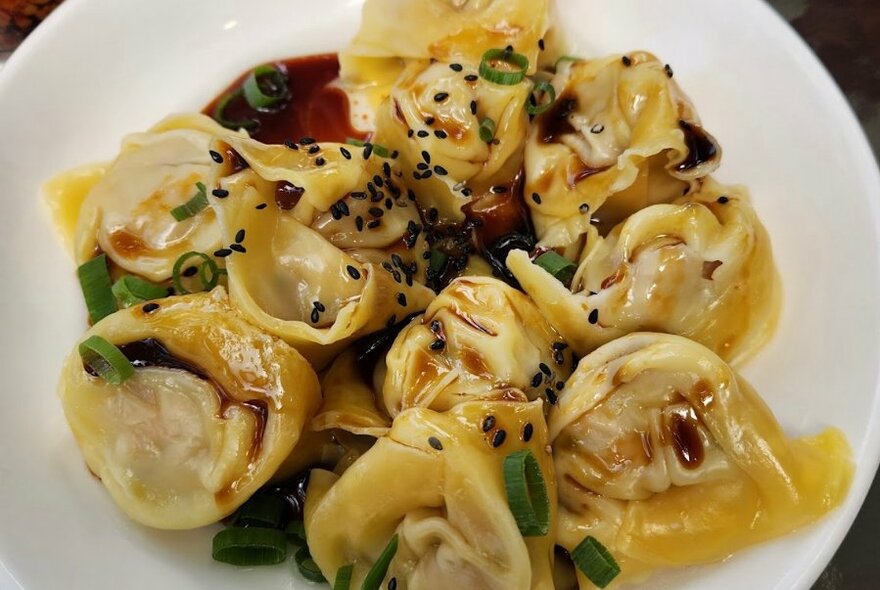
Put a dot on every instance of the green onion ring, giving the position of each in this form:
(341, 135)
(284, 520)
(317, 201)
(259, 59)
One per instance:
(379, 150)
(97, 290)
(131, 290)
(296, 532)
(496, 76)
(561, 268)
(533, 107)
(219, 114)
(254, 94)
(487, 130)
(527, 493)
(343, 577)
(250, 546)
(261, 510)
(377, 573)
(307, 566)
(105, 359)
(208, 261)
(595, 561)
(193, 206)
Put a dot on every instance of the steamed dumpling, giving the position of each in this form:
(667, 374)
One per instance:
(669, 458)
(444, 30)
(436, 480)
(620, 136)
(701, 267)
(213, 408)
(479, 339)
(320, 254)
(459, 162)
(127, 214)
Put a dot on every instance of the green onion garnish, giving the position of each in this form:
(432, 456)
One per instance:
(437, 262)
(380, 568)
(561, 268)
(105, 359)
(219, 114)
(265, 87)
(261, 510)
(94, 279)
(192, 207)
(504, 77)
(131, 290)
(307, 566)
(207, 265)
(296, 532)
(487, 130)
(343, 577)
(542, 98)
(379, 150)
(566, 58)
(527, 493)
(592, 558)
(250, 546)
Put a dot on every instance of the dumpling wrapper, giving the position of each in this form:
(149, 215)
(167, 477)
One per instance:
(471, 164)
(179, 449)
(701, 268)
(494, 344)
(444, 30)
(669, 458)
(127, 213)
(301, 263)
(449, 507)
(618, 138)
(350, 402)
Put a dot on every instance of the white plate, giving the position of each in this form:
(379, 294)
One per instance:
(98, 70)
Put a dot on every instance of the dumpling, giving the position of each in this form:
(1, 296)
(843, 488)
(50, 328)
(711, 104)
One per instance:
(701, 267)
(433, 117)
(436, 480)
(445, 30)
(479, 339)
(324, 247)
(620, 136)
(669, 458)
(213, 408)
(127, 214)
(350, 402)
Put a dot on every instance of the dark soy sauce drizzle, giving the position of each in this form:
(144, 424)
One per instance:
(554, 123)
(686, 440)
(701, 148)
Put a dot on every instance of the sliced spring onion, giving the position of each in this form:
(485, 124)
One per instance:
(131, 290)
(377, 573)
(208, 283)
(343, 577)
(219, 114)
(542, 98)
(487, 130)
(105, 359)
(261, 510)
(379, 150)
(265, 87)
(94, 279)
(504, 77)
(296, 532)
(561, 268)
(437, 262)
(592, 558)
(192, 207)
(250, 546)
(564, 59)
(527, 493)
(307, 566)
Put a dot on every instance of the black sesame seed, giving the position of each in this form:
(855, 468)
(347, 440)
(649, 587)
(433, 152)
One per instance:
(559, 346)
(320, 161)
(401, 299)
(238, 248)
(416, 175)
(368, 150)
(394, 154)
(389, 203)
(473, 107)
(455, 67)
(422, 166)
(597, 128)
(410, 133)
(422, 133)
(398, 261)
(626, 61)
(544, 369)
(435, 443)
(150, 307)
(541, 44)
(307, 140)
(215, 156)
(440, 170)
(528, 430)
(373, 224)
(376, 212)
(289, 143)
(359, 196)
(488, 423)
(410, 194)
(508, 49)
(536, 198)
(190, 271)
(722, 200)
(429, 121)
(222, 252)
(378, 196)
(558, 358)
(314, 149)
(220, 193)
(560, 385)
(438, 345)
(386, 168)
(498, 438)
(345, 153)
(387, 266)
(499, 189)
(668, 69)
(426, 174)
(583, 207)
(441, 96)
(551, 396)
(392, 584)
(335, 212)
(319, 306)
(378, 181)
(353, 272)
(343, 208)
(315, 316)
(435, 326)
(466, 192)
(536, 380)
(396, 275)
(440, 134)
(261, 206)
(472, 77)
(359, 223)
(594, 316)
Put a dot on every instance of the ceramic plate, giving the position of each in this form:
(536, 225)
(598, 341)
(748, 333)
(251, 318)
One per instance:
(98, 70)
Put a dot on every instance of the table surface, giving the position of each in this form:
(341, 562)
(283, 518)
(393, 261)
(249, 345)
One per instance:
(846, 37)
